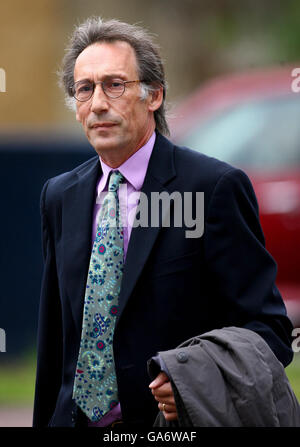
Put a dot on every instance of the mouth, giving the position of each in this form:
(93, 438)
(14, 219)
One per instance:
(103, 125)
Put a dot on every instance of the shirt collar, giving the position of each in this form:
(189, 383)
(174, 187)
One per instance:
(133, 169)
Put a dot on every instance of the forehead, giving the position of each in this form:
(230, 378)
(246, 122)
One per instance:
(105, 59)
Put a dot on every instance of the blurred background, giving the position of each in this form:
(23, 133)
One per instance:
(229, 69)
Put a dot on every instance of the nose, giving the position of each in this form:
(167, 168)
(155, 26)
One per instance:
(99, 100)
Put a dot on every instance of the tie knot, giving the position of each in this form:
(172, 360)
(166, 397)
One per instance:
(115, 179)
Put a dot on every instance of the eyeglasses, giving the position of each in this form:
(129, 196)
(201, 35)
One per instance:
(113, 88)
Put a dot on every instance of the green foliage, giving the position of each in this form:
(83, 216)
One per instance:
(293, 373)
(17, 382)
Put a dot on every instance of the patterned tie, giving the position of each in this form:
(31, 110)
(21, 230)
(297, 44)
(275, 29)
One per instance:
(95, 387)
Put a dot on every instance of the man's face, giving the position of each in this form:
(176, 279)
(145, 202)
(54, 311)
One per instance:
(115, 127)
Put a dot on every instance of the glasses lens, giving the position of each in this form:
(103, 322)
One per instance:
(83, 90)
(114, 88)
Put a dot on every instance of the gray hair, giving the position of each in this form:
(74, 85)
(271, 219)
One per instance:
(150, 66)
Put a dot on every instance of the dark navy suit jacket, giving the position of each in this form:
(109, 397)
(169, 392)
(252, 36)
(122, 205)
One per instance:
(173, 287)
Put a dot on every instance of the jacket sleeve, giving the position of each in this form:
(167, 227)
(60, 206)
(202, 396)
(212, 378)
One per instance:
(241, 272)
(49, 341)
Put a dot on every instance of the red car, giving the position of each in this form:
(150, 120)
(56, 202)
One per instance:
(252, 120)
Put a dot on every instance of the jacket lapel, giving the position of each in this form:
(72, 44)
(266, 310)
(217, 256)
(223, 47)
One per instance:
(160, 170)
(78, 206)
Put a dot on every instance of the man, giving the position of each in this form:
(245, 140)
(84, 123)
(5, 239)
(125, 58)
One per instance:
(166, 287)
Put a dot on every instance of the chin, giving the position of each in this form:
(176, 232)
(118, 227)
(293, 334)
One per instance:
(105, 146)
(103, 143)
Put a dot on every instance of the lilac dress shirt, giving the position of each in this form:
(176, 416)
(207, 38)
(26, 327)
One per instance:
(134, 171)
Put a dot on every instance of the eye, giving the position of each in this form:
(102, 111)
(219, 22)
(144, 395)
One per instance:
(114, 84)
(82, 88)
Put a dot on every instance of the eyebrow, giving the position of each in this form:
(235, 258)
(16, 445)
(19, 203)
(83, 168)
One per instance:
(109, 76)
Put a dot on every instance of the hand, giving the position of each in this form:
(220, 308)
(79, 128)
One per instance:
(162, 391)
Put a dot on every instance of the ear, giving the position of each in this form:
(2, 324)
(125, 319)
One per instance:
(155, 99)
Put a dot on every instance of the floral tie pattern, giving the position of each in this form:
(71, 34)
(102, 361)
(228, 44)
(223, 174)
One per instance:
(95, 387)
